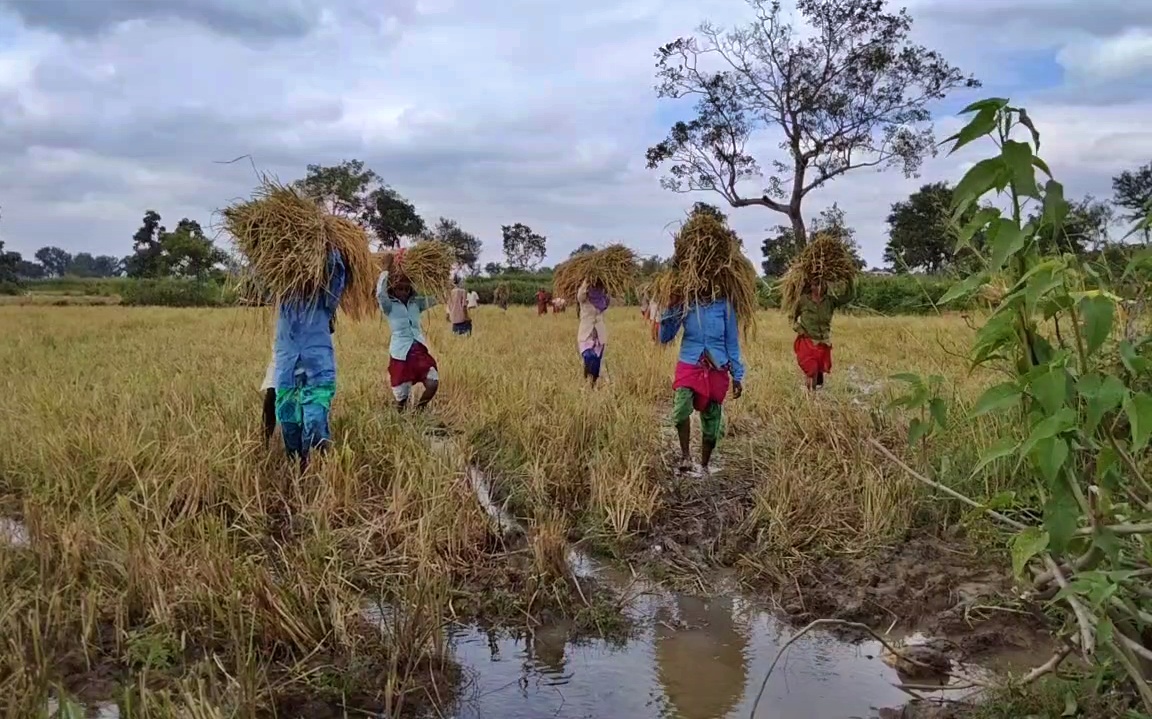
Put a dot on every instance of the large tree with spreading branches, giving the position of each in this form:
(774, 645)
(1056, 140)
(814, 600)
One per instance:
(849, 91)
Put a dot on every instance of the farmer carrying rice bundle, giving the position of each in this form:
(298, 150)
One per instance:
(310, 263)
(459, 312)
(501, 296)
(808, 299)
(590, 279)
(425, 267)
(710, 293)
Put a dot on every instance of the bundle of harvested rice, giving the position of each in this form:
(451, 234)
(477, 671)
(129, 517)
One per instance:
(428, 266)
(708, 264)
(501, 293)
(286, 237)
(825, 259)
(613, 268)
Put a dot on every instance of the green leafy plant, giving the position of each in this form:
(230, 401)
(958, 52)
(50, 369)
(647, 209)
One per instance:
(1077, 395)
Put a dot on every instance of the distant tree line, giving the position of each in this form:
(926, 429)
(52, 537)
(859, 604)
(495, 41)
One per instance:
(349, 189)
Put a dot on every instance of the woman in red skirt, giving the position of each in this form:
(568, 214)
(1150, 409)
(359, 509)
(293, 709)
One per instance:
(812, 322)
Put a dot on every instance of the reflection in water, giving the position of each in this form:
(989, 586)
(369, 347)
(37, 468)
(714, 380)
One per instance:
(700, 660)
(694, 658)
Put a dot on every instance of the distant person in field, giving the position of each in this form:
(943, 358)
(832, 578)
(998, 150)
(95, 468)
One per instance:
(812, 322)
(409, 361)
(591, 335)
(305, 365)
(473, 300)
(458, 313)
(653, 314)
(501, 297)
(541, 302)
(709, 356)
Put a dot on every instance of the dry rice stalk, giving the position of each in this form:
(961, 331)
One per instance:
(613, 268)
(825, 259)
(708, 264)
(286, 237)
(428, 265)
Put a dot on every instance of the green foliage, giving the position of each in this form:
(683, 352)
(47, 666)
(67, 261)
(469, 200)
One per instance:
(54, 260)
(851, 89)
(922, 232)
(175, 292)
(780, 249)
(1132, 190)
(184, 252)
(9, 267)
(352, 190)
(465, 245)
(1078, 394)
(524, 249)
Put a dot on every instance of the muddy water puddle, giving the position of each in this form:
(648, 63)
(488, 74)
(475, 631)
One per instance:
(693, 658)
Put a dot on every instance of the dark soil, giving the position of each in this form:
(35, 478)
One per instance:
(941, 587)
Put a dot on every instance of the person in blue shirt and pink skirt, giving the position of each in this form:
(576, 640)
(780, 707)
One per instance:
(709, 358)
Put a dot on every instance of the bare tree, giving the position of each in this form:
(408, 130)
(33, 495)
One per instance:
(851, 93)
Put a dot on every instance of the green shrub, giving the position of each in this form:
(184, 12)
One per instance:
(174, 293)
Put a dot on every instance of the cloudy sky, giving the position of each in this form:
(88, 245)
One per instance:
(487, 111)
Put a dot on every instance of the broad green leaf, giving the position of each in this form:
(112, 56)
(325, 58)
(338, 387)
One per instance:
(917, 430)
(1041, 165)
(1018, 157)
(997, 397)
(1132, 360)
(1050, 455)
(979, 220)
(1104, 631)
(1025, 546)
(1138, 407)
(980, 125)
(1050, 388)
(1005, 499)
(996, 103)
(1061, 515)
(1103, 394)
(980, 178)
(1004, 447)
(1108, 543)
(1055, 206)
(1008, 241)
(1040, 284)
(1050, 427)
(962, 288)
(1098, 313)
(939, 411)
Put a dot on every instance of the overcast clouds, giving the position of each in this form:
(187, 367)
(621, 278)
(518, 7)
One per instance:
(487, 111)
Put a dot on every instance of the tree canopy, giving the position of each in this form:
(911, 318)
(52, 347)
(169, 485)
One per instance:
(921, 231)
(465, 245)
(1132, 191)
(352, 190)
(849, 91)
(524, 249)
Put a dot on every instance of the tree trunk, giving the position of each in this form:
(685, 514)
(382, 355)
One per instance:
(799, 231)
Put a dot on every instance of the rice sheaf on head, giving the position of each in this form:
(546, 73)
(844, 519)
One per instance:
(286, 237)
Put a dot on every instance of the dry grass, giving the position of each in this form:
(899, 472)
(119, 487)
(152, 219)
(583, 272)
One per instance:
(612, 268)
(708, 264)
(287, 236)
(826, 260)
(174, 557)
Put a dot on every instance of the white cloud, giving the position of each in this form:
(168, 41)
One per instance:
(489, 112)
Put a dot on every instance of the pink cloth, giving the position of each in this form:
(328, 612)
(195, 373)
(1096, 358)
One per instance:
(708, 384)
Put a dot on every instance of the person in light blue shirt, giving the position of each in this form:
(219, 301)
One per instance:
(305, 364)
(709, 356)
(409, 361)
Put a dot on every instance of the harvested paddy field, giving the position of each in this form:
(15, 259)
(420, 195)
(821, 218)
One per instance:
(159, 556)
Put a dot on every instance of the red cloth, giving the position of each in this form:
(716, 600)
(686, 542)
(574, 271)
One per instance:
(414, 368)
(708, 384)
(541, 303)
(813, 357)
